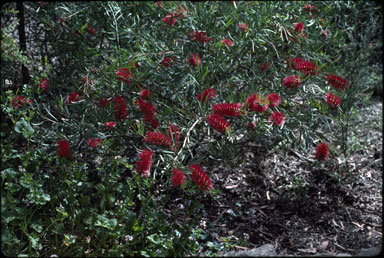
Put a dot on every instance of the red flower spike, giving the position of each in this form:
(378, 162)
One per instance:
(144, 94)
(242, 26)
(110, 125)
(227, 42)
(104, 102)
(147, 108)
(178, 177)
(167, 61)
(322, 151)
(124, 74)
(218, 123)
(337, 82)
(157, 138)
(194, 59)
(199, 36)
(258, 107)
(332, 100)
(277, 118)
(170, 19)
(63, 149)
(227, 109)
(265, 66)
(200, 177)
(144, 163)
(91, 30)
(299, 27)
(44, 84)
(307, 68)
(274, 99)
(152, 120)
(207, 94)
(94, 142)
(292, 81)
(120, 108)
(18, 101)
(73, 97)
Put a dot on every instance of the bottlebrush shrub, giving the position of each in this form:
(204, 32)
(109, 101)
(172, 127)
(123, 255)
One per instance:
(163, 101)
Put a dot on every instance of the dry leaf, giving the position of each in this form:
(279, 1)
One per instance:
(323, 246)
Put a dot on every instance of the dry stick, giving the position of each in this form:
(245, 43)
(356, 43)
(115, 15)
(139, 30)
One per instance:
(187, 137)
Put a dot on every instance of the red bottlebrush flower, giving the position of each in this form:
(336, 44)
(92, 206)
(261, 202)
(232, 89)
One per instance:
(264, 67)
(104, 103)
(120, 108)
(292, 81)
(299, 27)
(90, 30)
(144, 94)
(18, 101)
(337, 82)
(322, 151)
(167, 61)
(258, 107)
(44, 84)
(144, 163)
(170, 19)
(251, 125)
(73, 97)
(87, 81)
(242, 26)
(227, 109)
(307, 67)
(207, 94)
(157, 138)
(194, 59)
(332, 100)
(110, 125)
(30, 101)
(159, 4)
(178, 177)
(124, 74)
(94, 142)
(147, 108)
(200, 177)
(250, 99)
(199, 36)
(227, 42)
(218, 123)
(274, 99)
(63, 149)
(294, 62)
(277, 118)
(307, 7)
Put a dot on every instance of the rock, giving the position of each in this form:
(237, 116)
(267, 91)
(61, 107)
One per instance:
(373, 251)
(265, 250)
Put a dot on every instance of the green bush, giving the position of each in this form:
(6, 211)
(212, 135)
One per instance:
(74, 186)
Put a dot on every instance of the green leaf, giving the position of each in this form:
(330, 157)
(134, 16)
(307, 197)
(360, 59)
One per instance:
(105, 222)
(24, 127)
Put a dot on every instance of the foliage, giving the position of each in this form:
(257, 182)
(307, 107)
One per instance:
(99, 57)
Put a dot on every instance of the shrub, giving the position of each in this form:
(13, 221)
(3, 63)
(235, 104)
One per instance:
(142, 94)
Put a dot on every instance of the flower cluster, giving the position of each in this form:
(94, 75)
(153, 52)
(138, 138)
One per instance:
(242, 26)
(227, 109)
(218, 123)
(265, 66)
(299, 27)
(199, 36)
(20, 101)
(125, 74)
(90, 30)
(273, 99)
(167, 61)
(94, 142)
(110, 125)
(144, 163)
(332, 100)
(337, 82)
(104, 103)
(63, 150)
(292, 81)
(194, 59)
(44, 84)
(227, 42)
(178, 177)
(207, 94)
(149, 112)
(277, 118)
(157, 138)
(310, 8)
(73, 97)
(120, 108)
(322, 151)
(303, 66)
(200, 177)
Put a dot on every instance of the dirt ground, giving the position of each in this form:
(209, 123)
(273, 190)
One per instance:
(299, 207)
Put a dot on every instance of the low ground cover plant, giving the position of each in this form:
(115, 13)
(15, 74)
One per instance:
(130, 99)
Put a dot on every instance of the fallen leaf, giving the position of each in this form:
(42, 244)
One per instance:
(323, 246)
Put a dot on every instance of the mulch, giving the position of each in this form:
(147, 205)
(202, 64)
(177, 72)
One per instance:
(300, 207)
